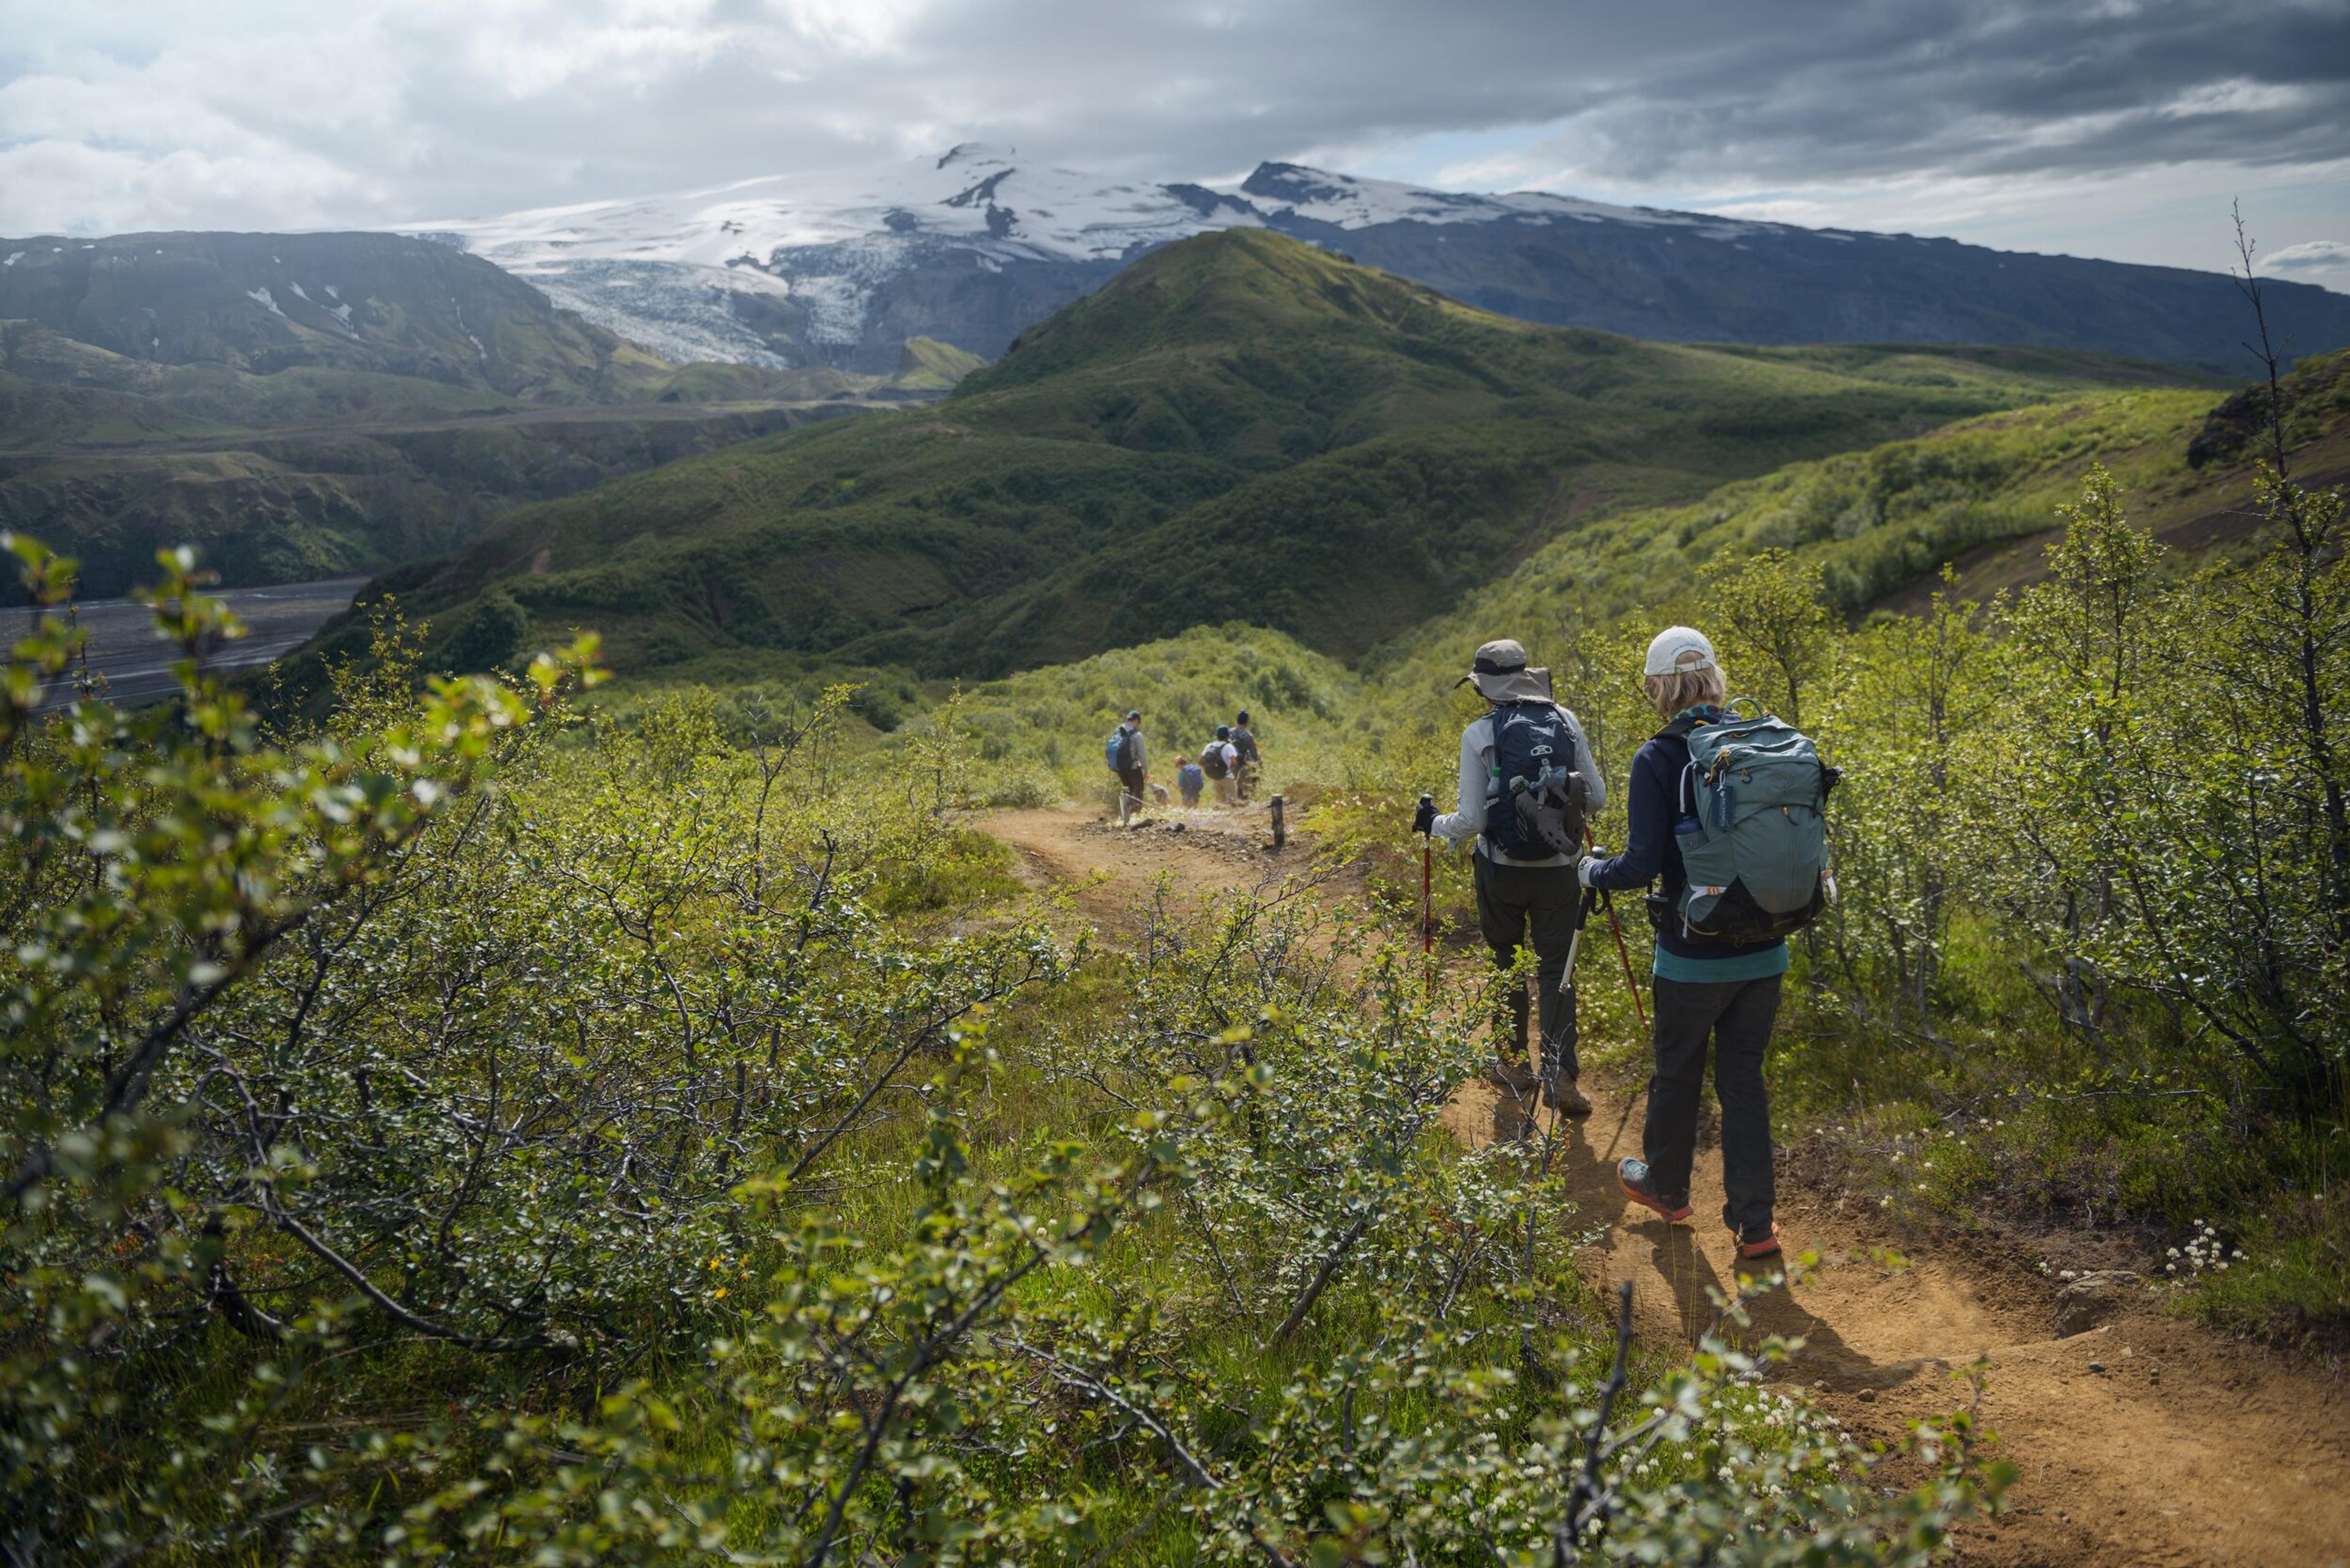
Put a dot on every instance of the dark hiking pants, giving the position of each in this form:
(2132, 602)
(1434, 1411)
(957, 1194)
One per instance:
(1736, 1015)
(1544, 900)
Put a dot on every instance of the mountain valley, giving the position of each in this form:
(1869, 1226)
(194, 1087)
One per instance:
(1241, 427)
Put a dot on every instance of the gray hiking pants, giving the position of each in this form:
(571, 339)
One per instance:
(1514, 902)
(1736, 1016)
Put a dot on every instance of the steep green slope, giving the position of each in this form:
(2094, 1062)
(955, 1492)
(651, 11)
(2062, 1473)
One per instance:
(1239, 426)
(282, 471)
(270, 506)
(1979, 496)
(267, 302)
(926, 364)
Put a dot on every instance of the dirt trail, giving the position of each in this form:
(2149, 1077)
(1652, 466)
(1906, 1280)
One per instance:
(2184, 1449)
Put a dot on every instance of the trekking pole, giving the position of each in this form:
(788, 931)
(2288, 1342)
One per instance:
(1623, 953)
(1428, 894)
(1575, 942)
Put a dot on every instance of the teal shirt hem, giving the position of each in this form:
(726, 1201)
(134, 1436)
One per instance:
(1756, 965)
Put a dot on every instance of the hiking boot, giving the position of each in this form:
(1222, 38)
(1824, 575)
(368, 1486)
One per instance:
(1632, 1176)
(1560, 1093)
(1758, 1250)
(1515, 1076)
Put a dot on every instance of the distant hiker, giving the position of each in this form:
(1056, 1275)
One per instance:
(1245, 746)
(1527, 782)
(1189, 780)
(1129, 759)
(1759, 824)
(1219, 759)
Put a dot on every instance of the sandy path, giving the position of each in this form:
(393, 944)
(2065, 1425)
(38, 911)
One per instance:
(2186, 1449)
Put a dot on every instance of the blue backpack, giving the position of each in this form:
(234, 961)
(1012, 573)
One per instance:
(1753, 829)
(1534, 806)
(1114, 752)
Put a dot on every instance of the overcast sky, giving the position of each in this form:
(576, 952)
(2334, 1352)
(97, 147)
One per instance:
(2105, 128)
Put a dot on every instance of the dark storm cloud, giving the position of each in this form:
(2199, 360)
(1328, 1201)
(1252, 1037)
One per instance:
(270, 113)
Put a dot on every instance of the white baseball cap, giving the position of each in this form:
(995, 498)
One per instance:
(1669, 649)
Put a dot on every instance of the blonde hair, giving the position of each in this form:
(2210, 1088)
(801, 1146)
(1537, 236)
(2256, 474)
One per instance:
(1686, 688)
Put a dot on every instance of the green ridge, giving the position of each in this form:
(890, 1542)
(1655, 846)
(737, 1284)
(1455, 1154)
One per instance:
(1239, 426)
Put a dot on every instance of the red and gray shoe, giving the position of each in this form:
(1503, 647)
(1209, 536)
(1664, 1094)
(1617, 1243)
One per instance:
(1639, 1185)
(1757, 1249)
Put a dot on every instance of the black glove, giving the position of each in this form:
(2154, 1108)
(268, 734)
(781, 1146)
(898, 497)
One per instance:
(1424, 819)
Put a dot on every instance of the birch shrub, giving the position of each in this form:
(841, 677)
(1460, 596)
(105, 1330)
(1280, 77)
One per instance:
(480, 1132)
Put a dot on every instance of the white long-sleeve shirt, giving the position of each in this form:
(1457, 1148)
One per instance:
(1466, 823)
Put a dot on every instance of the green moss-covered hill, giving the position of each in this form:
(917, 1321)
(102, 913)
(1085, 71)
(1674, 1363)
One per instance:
(1240, 427)
(1979, 496)
(304, 406)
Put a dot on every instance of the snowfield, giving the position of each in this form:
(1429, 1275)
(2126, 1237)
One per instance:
(832, 267)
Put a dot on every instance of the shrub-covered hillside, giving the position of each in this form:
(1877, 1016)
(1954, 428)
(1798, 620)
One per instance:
(1239, 426)
(475, 1134)
(1878, 525)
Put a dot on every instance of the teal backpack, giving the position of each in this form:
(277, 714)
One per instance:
(1753, 828)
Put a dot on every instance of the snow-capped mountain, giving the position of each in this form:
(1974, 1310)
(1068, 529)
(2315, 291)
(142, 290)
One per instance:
(802, 268)
(1299, 194)
(974, 246)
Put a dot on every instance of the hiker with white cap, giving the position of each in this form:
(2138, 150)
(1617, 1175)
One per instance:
(1718, 964)
(1527, 782)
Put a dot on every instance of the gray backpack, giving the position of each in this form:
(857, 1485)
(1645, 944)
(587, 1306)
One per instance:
(1753, 829)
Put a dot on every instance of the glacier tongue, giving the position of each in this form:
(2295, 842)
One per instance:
(974, 193)
(785, 269)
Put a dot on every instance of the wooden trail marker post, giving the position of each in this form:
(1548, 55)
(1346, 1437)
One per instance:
(1280, 832)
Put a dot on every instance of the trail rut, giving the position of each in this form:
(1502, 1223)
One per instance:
(2186, 1449)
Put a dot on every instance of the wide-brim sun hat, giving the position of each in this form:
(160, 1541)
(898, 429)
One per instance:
(1669, 651)
(1501, 674)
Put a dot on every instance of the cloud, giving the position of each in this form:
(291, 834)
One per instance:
(2322, 262)
(268, 113)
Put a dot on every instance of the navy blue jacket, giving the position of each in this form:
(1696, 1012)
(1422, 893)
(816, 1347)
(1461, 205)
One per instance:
(1653, 801)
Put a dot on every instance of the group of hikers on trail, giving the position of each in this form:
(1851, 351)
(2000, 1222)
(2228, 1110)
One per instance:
(1726, 838)
(1726, 821)
(1230, 762)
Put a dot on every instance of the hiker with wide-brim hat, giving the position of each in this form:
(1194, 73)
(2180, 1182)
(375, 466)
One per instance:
(1523, 750)
(1707, 989)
